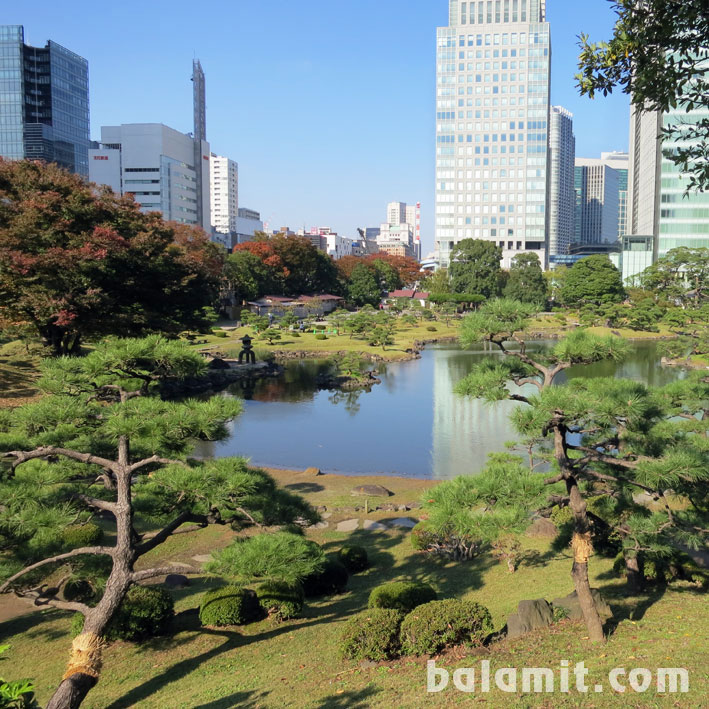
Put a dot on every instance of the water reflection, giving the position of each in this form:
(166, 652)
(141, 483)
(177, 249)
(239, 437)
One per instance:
(411, 424)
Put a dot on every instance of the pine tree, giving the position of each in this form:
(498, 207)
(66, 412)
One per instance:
(607, 437)
(102, 442)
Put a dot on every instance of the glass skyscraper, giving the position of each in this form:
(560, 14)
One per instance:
(492, 112)
(44, 102)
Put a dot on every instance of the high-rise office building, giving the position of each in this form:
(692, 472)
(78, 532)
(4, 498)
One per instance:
(597, 200)
(619, 162)
(492, 109)
(562, 197)
(658, 204)
(44, 102)
(224, 193)
(155, 164)
(201, 148)
(402, 228)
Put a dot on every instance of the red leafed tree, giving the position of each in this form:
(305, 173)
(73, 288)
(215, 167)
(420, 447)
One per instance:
(78, 261)
(295, 266)
(401, 270)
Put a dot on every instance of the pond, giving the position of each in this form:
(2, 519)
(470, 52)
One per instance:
(411, 424)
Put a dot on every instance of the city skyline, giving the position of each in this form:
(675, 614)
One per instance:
(320, 107)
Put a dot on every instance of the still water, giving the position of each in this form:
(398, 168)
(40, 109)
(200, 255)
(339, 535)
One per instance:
(411, 424)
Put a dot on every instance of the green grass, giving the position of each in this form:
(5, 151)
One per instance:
(404, 339)
(296, 664)
(17, 379)
(549, 325)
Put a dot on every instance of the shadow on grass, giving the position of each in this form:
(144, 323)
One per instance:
(354, 699)
(32, 621)
(189, 621)
(242, 700)
(304, 488)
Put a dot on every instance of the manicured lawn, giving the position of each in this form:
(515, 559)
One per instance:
(296, 664)
(17, 380)
(404, 339)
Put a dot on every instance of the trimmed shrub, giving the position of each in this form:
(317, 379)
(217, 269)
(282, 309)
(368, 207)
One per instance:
(280, 600)
(321, 336)
(401, 595)
(354, 558)
(372, 635)
(431, 328)
(82, 535)
(332, 579)
(145, 611)
(422, 537)
(230, 605)
(439, 624)
(78, 589)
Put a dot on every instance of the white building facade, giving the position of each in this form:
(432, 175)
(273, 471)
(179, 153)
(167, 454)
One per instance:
(562, 198)
(492, 112)
(597, 201)
(658, 205)
(155, 163)
(224, 193)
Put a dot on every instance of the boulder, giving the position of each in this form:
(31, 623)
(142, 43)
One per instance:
(373, 526)
(543, 528)
(530, 615)
(176, 581)
(572, 605)
(312, 471)
(371, 491)
(218, 363)
(405, 522)
(348, 525)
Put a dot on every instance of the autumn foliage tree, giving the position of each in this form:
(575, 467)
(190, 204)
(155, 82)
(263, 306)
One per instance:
(390, 271)
(78, 261)
(293, 265)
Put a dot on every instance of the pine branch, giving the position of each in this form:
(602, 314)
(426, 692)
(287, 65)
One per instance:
(153, 460)
(108, 551)
(45, 451)
(154, 539)
(137, 576)
(97, 503)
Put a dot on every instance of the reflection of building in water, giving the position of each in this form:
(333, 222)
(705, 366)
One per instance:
(464, 429)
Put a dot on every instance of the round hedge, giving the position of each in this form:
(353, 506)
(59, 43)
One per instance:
(280, 600)
(145, 611)
(354, 558)
(82, 535)
(332, 579)
(78, 589)
(401, 595)
(372, 635)
(231, 605)
(439, 624)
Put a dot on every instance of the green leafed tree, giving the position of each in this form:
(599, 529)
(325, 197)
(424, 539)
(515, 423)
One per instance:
(592, 280)
(245, 277)
(526, 282)
(681, 275)
(77, 262)
(657, 54)
(102, 443)
(363, 288)
(475, 268)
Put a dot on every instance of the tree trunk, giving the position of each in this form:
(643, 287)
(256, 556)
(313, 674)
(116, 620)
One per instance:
(581, 545)
(633, 572)
(84, 667)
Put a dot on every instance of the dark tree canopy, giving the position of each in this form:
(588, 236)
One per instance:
(658, 55)
(78, 261)
(363, 288)
(526, 282)
(475, 267)
(592, 280)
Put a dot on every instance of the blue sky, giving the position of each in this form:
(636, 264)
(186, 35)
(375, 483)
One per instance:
(327, 105)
